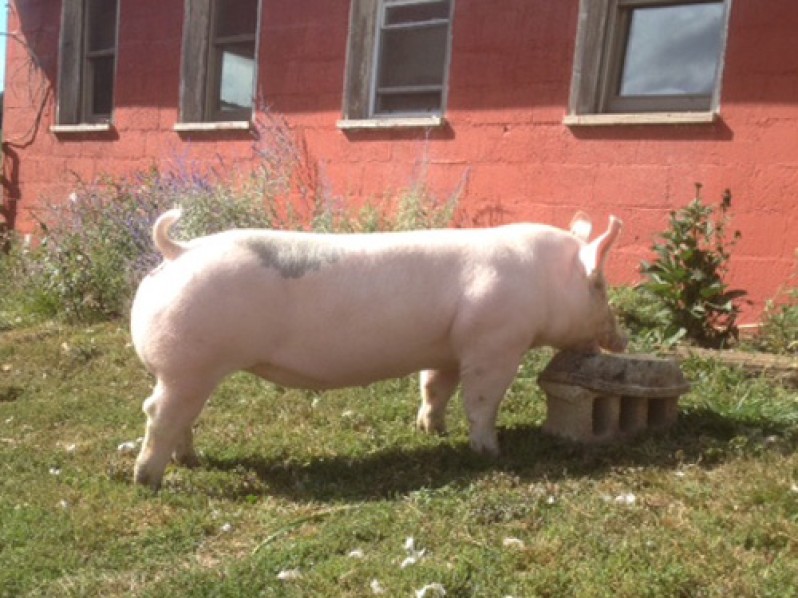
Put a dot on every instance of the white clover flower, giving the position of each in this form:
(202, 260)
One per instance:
(126, 447)
(413, 555)
(626, 499)
(512, 543)
(376, 587)
(289, 575)
(431, 587)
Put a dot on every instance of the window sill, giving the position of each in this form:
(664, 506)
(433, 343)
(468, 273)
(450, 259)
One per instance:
(231, 125)
(418, 122)
(81, 129)
(642, 118)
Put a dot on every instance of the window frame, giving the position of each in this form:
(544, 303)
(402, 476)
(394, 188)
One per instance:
(75, 72)
(602, 36)
(200, 71)
(381, 27)
(364, 46)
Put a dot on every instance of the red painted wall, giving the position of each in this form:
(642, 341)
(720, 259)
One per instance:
(509, 85)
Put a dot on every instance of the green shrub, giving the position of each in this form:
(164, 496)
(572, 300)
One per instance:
(646, 318)
(688, 274)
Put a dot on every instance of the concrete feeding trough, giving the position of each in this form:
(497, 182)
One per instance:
(602, 397)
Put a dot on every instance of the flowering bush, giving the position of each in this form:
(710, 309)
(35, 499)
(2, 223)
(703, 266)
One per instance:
(96, 247)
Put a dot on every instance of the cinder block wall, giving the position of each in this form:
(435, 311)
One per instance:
(509, 85)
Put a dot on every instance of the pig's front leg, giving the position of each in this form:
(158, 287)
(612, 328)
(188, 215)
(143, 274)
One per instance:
(437, 387)
(184, 453)
(484, 385)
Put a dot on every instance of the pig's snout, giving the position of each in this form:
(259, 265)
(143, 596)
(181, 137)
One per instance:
(616, 342)
(614, 339)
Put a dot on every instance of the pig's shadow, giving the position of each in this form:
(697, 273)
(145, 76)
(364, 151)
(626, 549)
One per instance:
(700, 436)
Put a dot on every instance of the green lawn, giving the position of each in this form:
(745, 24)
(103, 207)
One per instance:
(326, 488)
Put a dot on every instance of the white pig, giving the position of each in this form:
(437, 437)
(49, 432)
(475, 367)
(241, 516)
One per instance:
(322, 311)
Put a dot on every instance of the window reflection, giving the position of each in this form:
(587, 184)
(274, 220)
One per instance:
(673, 50)
(238, 70)
(232, 60)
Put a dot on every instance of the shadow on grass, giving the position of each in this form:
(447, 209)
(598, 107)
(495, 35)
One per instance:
(701, 436)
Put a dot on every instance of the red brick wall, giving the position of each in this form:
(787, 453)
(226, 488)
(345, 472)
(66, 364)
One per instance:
(509, 85)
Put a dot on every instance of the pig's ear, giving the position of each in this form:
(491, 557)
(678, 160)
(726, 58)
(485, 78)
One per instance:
(594, 255)
(581, 226)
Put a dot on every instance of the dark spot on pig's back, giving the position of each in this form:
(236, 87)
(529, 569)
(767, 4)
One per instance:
(292, 258)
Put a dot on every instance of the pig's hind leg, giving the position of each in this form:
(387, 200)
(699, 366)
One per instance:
(171, 411)
(437, 387)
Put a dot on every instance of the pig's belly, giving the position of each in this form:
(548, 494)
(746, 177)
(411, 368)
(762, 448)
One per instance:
(349, 367)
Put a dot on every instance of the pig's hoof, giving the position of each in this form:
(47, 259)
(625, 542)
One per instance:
(486, 447)
(430, 424)
(144, 478)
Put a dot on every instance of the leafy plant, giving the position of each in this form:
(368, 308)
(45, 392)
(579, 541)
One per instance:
(688, 274)
(646, 318)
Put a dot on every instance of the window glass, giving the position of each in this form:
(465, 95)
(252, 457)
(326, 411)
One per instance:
(408, 102)
(672, 50)
(236, 17)
(100, 50)
(414, 13)
(101, 24)
(102, 88)
(413, 56)
(238, 69)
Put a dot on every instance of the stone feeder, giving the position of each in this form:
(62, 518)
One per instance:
(603, 397)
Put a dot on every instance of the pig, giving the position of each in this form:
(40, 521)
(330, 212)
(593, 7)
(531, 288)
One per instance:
(325, 311)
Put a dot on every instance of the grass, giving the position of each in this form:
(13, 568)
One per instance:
(297, 481)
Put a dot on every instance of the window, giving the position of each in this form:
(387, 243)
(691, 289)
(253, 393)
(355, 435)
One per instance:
(219, 60)
(87, 62)
(648, 56)
(398, 58)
